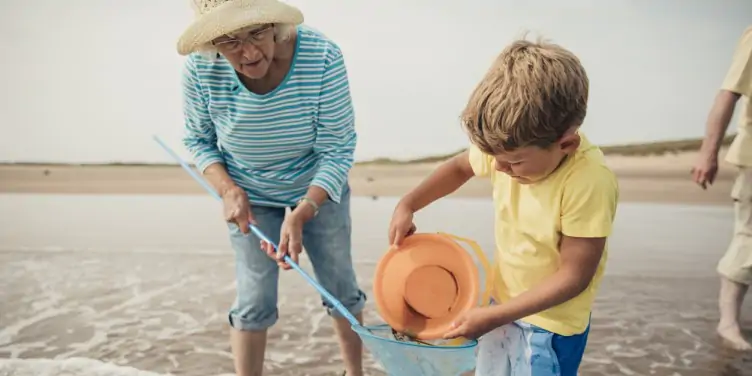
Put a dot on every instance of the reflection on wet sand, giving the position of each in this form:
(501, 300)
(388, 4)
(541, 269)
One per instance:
(150, 288)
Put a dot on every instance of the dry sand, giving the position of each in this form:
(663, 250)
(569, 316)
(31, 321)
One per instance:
(663, 178)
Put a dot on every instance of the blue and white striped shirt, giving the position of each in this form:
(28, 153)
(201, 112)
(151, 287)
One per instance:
(277, 144)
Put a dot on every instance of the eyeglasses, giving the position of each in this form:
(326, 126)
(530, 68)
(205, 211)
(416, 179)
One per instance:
(233, 45)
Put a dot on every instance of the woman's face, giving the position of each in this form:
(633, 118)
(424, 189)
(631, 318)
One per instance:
(250, 51)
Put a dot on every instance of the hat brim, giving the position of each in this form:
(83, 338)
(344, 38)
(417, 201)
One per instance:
(397, 264)
(232, 16)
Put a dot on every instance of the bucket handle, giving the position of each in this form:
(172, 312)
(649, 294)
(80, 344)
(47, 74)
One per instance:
(489, 274)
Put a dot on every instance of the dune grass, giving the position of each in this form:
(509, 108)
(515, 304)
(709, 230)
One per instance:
(661, 147)
(641, 149)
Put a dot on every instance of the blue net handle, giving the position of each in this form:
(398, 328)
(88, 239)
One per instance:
(331, 299)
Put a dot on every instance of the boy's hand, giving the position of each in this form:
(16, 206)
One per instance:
(475, 323)
(447, 178)
(402, 224)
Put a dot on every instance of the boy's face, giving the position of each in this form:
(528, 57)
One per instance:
(531, 164)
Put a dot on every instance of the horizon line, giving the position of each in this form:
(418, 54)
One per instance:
(633, 149)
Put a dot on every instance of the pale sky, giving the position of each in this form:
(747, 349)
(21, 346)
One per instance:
(91, 80)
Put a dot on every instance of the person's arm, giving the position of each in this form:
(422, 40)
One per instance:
(199, 135)
(447, 178)
(335, 135)
(737, 82)
(588, 210)
(718, 121)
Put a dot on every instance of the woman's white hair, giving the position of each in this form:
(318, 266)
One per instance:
(282, 33)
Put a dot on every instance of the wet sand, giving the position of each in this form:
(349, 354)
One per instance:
(145, 281)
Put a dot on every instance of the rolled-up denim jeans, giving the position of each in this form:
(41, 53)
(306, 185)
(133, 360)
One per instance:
(326, 239)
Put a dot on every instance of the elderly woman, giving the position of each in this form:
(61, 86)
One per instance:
(269, 122)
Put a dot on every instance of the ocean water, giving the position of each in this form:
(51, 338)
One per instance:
(140, 285)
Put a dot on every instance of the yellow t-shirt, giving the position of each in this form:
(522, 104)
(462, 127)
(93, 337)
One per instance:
(578, 199)
(739, 80)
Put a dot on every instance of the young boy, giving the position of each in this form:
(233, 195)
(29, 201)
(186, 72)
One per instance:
(554, 201)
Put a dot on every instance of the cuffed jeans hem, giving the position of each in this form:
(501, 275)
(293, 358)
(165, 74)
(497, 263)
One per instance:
(354, 309)
(239, 323)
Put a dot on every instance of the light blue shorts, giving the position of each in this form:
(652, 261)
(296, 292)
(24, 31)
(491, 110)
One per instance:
(522, 349)
(326, 239)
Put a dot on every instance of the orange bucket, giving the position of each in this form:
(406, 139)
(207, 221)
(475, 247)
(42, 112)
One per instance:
(427, 282)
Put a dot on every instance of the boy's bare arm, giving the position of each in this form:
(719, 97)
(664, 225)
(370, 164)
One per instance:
(579, 261)
(447, 178)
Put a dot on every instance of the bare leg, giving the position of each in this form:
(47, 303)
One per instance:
(248, 350)
(730, 305)
(350, 345)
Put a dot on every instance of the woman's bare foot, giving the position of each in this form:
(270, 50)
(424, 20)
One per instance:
(732, 337)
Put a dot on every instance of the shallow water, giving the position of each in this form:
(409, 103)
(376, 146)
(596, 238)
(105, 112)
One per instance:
(90, 283)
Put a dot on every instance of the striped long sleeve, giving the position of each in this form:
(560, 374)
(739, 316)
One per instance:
(274, 145)
(335, 133)
(199, 135)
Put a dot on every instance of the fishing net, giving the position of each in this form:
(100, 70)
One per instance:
(401, 355)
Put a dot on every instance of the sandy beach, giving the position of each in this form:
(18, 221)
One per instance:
(127, 270)
(663, 178)
(115, 262)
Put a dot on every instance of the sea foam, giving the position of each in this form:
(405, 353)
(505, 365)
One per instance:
(67, 367)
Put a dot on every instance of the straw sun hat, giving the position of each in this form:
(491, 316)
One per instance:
(215, 18)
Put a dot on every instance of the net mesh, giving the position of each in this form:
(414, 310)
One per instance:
(401, 356)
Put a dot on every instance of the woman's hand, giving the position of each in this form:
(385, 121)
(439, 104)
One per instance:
(401, 225)
(237, 208)
(290, 237)
(290, 242)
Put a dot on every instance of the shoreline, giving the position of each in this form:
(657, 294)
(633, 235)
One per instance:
(656, 178)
